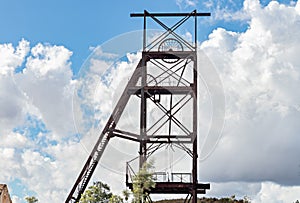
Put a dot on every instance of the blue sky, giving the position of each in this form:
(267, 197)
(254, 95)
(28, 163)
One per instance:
(78, 26)
(74, 24)
(252, 44)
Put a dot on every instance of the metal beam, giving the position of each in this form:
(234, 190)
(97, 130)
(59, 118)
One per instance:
(168, 14)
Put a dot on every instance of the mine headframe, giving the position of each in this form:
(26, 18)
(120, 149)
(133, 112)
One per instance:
(169, 70)
(165, 81)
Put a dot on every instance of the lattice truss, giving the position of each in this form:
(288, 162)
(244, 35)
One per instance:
(167, 79)
(163, 88)
(169, 99)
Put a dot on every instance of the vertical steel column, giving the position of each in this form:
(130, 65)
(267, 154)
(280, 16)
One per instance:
(195, 153)
(143, 113)
(195, 122)
(144, 31)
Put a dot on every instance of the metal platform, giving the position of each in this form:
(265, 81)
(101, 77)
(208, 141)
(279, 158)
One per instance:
(176, 188)
(173, 183)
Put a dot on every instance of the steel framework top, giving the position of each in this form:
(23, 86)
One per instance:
(169, 30)
(147, 14)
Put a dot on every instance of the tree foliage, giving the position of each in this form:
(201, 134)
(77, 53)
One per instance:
(126, 194)
(98, 192)
(143, 182)
(209, 200)
(31, 199)
(115, 199)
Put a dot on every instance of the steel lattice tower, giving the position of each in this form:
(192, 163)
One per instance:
(165, 78)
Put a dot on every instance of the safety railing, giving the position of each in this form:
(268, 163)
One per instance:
(159, 176)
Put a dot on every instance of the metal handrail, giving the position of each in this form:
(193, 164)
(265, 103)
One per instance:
(159, 176)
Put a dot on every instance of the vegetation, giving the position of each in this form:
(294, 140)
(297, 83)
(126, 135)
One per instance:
(143, 182)
(98, 192)
(126, 194)
(116, 199)
(31, 199)
(231, 199)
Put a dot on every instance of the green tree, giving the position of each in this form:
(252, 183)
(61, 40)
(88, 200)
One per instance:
(31, 199)
(115, 199)
(143, 182)
(98, 192)
(126, 194)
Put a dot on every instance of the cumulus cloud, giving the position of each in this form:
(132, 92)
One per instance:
(14, 140)
(225, 10)
(11, 58)
(276, 193)
(260, 72)
(47, 83)
(11, 103)
(12, 99)
(47, 58)
(36, 114)
(183, 4)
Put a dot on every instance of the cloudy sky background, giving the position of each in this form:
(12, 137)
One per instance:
(253, 45)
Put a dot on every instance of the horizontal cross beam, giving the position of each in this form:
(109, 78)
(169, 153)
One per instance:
(167, 14)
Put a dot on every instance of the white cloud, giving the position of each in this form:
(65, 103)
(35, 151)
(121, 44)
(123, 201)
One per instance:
(47, 58)
(257, 192)
(225, 10)
(222, 40)
(40, 169)
(183, 4)
(14, 140)
(16, 199)
(10, 164)
(11, 103)
(11, 58)
(43, 91)
(47, 83)
(274, 193)
(11, 98)
(261, 75)
(252, 6)
(239, 189)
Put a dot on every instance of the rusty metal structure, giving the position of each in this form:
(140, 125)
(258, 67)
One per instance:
(165, 79)
(4, 194)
